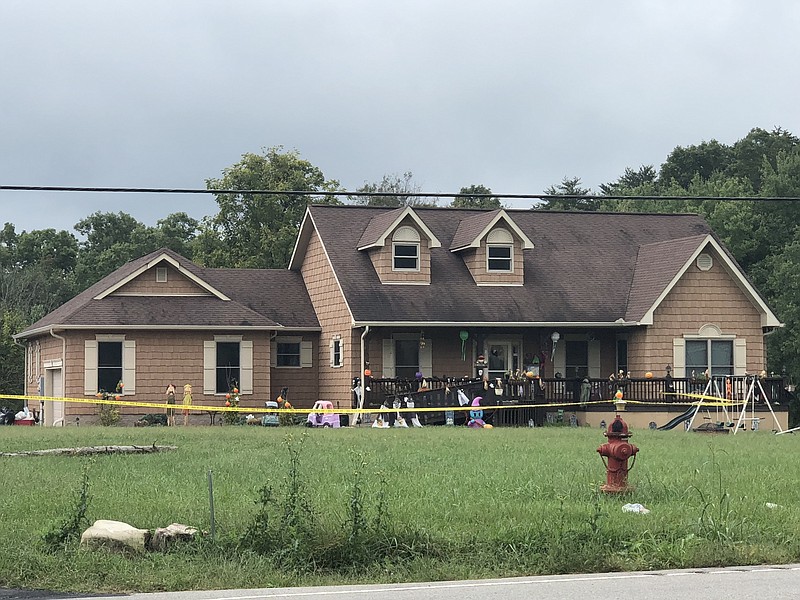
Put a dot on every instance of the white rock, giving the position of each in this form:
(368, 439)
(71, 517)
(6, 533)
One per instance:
(115, 535)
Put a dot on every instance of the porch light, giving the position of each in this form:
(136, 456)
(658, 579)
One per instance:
(668, 369)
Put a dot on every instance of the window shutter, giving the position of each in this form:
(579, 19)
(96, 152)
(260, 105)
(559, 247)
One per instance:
(426, 360)
(333, 363)
(209, 367)
(739, 356)
(306, 357)
(594, 358)
(388, 359)
(128, 367)
(90, 367)
(560, 358)
(246, 367)
(678, 357)
(341, 352)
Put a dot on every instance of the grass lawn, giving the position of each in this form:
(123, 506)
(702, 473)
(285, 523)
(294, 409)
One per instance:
(306, 507)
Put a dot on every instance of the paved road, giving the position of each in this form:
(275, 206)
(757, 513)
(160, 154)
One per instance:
(731, 583)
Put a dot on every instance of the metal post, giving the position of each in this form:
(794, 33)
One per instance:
(211, 504)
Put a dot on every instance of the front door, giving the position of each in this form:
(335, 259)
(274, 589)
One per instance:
(54, 386)
(502, 358)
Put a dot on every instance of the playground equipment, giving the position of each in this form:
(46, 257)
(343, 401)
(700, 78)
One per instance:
(750, 398)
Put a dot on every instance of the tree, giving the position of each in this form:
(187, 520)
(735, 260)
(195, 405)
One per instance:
(645, 175)
(259, 230)
(705, 159)
(394, 184)
(569, 186)
(759, 146)
(476, 196)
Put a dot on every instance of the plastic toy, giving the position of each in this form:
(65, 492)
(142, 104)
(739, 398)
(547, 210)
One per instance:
(316, 419)
(476, 416)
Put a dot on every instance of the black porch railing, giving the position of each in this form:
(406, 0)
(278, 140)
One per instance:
(548, 394)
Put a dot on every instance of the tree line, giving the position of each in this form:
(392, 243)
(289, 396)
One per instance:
(42, 269)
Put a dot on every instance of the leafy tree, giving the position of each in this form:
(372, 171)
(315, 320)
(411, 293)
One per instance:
(12, 356)
(392, 184)
(750, 153)
(706, 158)
(569, 186)
(644, 176)
(259, 230)
(476, 196)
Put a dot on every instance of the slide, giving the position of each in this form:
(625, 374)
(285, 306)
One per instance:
(679, 419)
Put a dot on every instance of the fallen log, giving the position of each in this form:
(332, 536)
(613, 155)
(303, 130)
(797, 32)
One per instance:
(89, 450)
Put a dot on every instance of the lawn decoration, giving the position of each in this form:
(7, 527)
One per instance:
(170, 401)
(187, 402)
(231, 417)
(464, 336)
(476, 416)
(320, 419)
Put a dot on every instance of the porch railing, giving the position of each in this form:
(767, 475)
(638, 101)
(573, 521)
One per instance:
(654, 392)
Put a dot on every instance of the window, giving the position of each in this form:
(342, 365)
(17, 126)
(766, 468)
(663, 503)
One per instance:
(109, 366)
(499, 251)
(622, 355)
(406, 358)
(227, 360)
(577, 364)
(228, 363)
(405, 249)
(288, 354)
(716, 356)
(336, 352)
(161, 275)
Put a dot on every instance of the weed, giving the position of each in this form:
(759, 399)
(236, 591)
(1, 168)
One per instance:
(71, 528)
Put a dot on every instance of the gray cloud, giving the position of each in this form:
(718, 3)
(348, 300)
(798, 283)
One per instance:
(512, 95)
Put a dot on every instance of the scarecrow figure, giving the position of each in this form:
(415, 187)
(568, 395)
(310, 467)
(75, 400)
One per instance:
(187, 402)
(170, 401)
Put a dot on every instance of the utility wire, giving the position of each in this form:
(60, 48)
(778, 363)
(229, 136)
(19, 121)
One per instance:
(125, 190)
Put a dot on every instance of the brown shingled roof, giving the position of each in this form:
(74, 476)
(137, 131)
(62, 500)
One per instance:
(581, 270)
(471, 227)
(263, 298)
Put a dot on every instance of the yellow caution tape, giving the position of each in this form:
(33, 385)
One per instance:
(384, 409)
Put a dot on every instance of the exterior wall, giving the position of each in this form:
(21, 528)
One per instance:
(699, 298)
(475, 259)
(162, 357)
(303, 382)
(332, 384)
(146, 285)
(382, 261)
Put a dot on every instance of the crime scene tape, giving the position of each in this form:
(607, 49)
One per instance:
(382, 409)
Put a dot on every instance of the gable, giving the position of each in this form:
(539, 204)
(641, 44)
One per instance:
(161, 279)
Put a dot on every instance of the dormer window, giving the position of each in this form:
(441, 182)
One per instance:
(499, 251)
(405, 249)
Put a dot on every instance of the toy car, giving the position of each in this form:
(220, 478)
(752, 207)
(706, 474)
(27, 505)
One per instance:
(316, 419)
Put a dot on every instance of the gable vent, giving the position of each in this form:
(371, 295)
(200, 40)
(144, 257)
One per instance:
(704, 262)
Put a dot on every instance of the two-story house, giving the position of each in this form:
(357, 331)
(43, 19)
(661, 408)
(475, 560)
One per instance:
(410, 290)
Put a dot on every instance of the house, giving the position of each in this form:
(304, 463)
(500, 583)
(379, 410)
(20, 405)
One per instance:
(407, 290)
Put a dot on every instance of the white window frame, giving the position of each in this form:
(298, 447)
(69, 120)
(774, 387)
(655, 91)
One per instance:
(500, 238)
(337, 351)
(406, 237)
(161, 275)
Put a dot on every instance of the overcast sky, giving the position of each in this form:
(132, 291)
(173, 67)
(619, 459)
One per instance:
(513, 95)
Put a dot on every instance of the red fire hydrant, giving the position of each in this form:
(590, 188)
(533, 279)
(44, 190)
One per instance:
(617, 450)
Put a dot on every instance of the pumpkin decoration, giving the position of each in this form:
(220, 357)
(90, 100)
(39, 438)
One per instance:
(648, 375)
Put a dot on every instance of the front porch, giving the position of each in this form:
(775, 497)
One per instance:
(588, 401)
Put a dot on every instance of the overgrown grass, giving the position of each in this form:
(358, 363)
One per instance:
(365, 505)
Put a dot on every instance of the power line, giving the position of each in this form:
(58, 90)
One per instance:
(131, 190)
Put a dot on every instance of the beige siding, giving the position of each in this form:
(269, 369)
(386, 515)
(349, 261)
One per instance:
(699, 298)
(332, 384)
(162, 357)
(475, 259)
(146, 285)
(301, 381)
